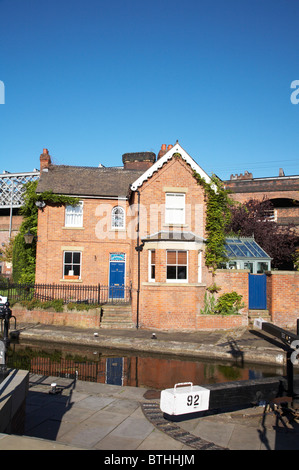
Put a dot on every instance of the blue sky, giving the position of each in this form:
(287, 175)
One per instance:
(93, 79)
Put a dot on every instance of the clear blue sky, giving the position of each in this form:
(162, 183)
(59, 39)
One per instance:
(93, 79)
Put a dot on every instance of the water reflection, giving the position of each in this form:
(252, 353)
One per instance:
(122, 368)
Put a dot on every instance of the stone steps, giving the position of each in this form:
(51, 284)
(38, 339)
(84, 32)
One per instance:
(117, 317)
(254, 314)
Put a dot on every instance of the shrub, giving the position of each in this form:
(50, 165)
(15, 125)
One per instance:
(227, 304)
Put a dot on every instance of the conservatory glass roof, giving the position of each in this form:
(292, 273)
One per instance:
(244, 247)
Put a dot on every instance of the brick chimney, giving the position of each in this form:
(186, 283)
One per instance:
(164, 150)
(45, 160)
(138, 160)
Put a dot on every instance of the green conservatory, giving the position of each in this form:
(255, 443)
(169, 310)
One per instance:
(245, 253)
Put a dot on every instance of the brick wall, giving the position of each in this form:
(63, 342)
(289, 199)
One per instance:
(82, 319)
(96, 240)
(283, 298)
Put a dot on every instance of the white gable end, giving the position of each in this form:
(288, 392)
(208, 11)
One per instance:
(168, 156)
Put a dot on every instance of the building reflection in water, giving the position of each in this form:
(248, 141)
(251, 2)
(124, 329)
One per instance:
(120, 369)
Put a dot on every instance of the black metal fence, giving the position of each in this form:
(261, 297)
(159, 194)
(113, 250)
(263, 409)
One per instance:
(93, 294)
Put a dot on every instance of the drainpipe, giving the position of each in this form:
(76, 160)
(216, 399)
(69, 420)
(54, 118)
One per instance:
(138, 248)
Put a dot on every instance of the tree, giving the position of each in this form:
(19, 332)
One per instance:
(252, 219)
(24, 255)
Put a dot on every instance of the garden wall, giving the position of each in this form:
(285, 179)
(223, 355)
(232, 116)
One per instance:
(283, 298)
(180, 308)
(83, 319)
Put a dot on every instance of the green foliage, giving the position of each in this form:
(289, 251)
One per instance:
(35, 304)
(217, 218)
(209, 305)
(213, 288)
(56, 304)
(24, 255)
(81, 306)
(227, 304)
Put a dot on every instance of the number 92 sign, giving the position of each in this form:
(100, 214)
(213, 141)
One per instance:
(184, 398)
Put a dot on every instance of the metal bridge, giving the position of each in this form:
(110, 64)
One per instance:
(12, 188)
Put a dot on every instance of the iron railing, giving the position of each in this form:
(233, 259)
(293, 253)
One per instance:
(89, 294)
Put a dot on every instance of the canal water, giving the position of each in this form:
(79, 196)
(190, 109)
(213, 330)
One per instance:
(123, 368)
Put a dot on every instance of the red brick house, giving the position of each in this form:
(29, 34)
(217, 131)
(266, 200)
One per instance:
(141, 225)
(140, 228)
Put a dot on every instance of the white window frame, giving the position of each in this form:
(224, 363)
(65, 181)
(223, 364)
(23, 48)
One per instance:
(114, 226)
(199, 279)
(175, 208)
(74, 215)
(150, 264)
(72, 263)
(178, 280)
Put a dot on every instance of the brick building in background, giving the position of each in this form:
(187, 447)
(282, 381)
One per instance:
(282, 191)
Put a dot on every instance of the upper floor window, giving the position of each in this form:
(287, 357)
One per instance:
(74, 215)
(175, 208)
(118, 217)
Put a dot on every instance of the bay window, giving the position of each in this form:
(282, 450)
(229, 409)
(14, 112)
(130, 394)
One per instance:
(177, 266)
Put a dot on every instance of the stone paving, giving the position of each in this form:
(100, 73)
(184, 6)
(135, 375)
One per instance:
(94, 416)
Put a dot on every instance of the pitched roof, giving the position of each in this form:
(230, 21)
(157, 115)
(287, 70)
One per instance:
(168, 156)
(87, 181)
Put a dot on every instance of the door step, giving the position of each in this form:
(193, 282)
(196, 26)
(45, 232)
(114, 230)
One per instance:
(254, 314)
(117, 317)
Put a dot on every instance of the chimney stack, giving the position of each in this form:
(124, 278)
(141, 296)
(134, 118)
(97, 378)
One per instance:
(138, 160)
(164, 150)
(45, 160)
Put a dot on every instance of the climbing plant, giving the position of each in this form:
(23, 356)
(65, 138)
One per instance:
(24, 255)
(218, 215)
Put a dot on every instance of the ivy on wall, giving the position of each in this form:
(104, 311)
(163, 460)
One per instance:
(217, 217)
(24, 255)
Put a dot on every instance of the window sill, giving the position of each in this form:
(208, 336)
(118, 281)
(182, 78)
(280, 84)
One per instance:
(174, 225)
(174, 284)
(73, 228)
(71, 279)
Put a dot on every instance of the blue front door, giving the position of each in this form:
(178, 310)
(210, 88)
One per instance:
(257, 291)
(117, 280)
